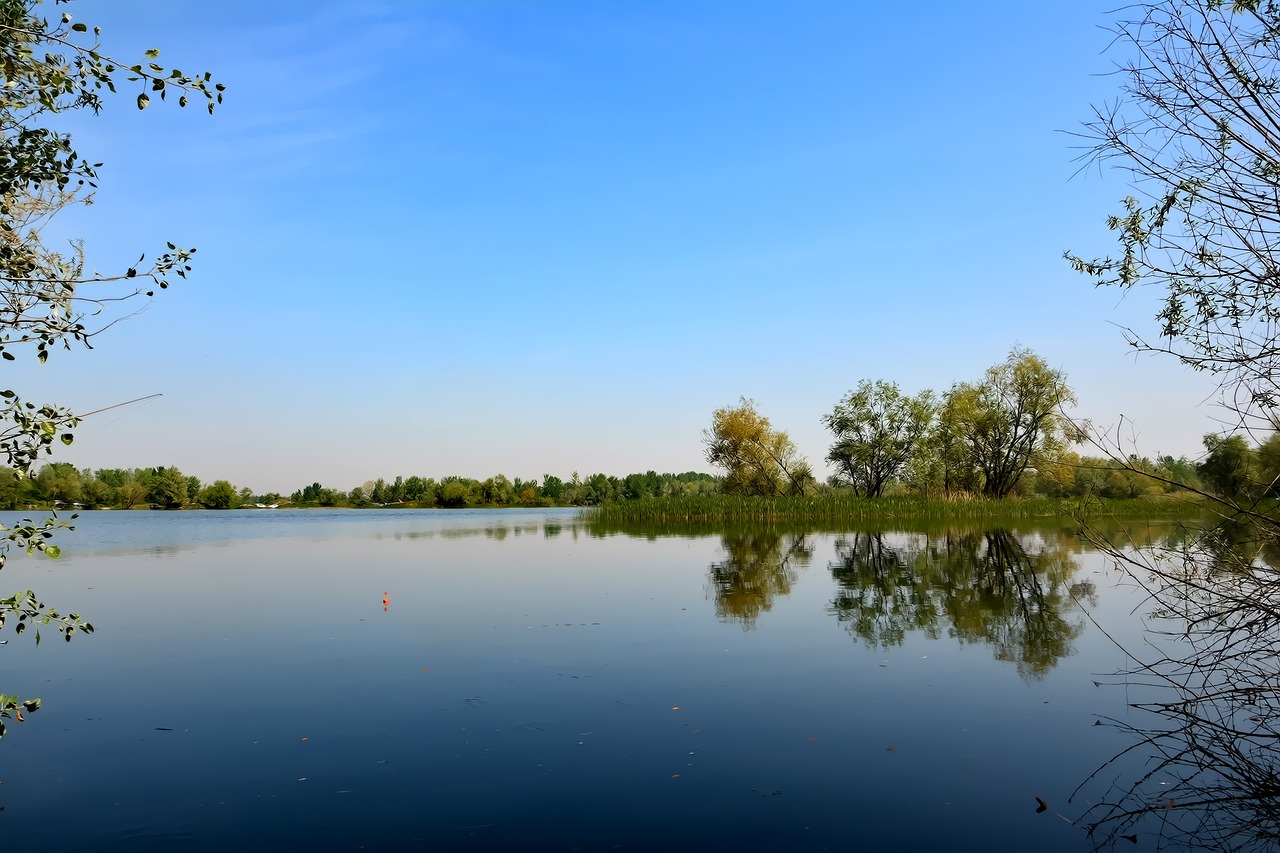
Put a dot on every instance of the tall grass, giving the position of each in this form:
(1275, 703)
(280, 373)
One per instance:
(838, 508)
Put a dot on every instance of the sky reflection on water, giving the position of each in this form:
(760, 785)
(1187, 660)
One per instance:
(534, 685)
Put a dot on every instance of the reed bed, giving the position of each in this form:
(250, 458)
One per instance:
(846, 508)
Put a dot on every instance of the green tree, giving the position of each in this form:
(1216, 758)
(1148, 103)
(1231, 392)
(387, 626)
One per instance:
(757, 459)
(168, 488)
(1228, 467)
(396, 491)
(635, 486)
(1134, 478)
(58, 482)
(552, 487)
(946, 462)
(453, 492)
(599, 489)
(330, 497)
(1266, 458)
(877, 430)
(309, 494)
(219, 495)
(131, 493)
(1009, 420)
(497, 491)
(13, 490)
(1183, 471)
(416, 488)
(94, 492)
(113, 477)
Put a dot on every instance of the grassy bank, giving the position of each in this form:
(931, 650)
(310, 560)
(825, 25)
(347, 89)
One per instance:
(837, 508)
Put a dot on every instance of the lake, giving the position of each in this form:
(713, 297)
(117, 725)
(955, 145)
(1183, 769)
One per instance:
(477, 680)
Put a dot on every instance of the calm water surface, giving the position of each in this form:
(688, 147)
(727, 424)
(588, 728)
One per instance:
(489, 680)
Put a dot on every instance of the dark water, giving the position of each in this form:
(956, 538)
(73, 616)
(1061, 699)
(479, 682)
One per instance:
(510, 680)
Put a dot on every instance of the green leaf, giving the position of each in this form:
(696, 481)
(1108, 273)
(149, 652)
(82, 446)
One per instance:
(153, 53)
(52, 551)
(143, 100)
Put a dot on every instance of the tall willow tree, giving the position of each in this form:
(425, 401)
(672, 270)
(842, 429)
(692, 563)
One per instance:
(877, 431)
(1002, 425)
(52, 65)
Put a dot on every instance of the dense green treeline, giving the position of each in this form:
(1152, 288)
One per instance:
(500, 491)
(60, 483)
(1231, 467)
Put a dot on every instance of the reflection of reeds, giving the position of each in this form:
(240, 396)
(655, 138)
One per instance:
(845, 507)
(1210, 737)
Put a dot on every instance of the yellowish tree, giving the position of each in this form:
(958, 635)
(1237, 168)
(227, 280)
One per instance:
(756, 458)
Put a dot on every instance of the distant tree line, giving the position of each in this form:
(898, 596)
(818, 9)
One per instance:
(62, 484)
(500, 491)
(1003, 435)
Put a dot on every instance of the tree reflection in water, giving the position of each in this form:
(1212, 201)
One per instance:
(1208, 748)
(759, 566)
(989, 587)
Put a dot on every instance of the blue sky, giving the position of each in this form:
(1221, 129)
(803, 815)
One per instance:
(538, 237)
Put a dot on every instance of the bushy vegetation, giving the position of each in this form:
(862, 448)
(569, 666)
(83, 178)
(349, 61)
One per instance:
(1003, 436)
